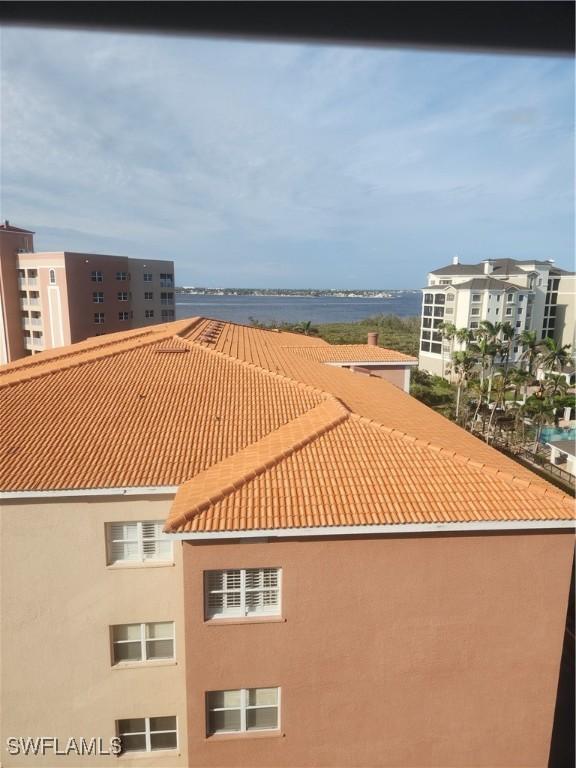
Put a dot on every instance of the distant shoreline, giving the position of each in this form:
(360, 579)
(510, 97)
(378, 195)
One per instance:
(312, 293)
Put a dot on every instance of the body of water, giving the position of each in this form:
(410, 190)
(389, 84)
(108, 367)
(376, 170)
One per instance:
(294, 309)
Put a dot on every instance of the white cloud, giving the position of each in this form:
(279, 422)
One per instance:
(228, 148)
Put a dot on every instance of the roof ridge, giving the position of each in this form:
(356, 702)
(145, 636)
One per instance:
(274, 331)
(225, 477)
(541, 487)
(90, 354)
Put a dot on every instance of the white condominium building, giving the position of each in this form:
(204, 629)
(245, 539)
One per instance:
(530, 295)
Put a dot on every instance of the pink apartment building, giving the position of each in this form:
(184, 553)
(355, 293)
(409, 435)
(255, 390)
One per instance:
(50, 299)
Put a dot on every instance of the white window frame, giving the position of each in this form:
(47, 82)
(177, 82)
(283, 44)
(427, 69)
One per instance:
(97, 297)
(244, 707)
(143, 643)
(99, 318)
(148, 734)
(97, 276)
(122, 295)
(148, 277)
(241, 611)
(123, 316)
(140, 540)
(148, 313)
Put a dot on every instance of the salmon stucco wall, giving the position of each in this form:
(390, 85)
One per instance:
(392, 651)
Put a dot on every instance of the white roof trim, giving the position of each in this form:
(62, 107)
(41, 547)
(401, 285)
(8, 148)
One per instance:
(373, 363)
(375, 530)
(153, 490)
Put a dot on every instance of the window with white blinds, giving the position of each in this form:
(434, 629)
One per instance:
(147, 734)
(246, 709)
(138, 542)
(132, 643)
(242, 592)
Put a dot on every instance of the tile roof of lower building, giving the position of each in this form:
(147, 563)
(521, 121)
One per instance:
(252, 431)
(351, 353)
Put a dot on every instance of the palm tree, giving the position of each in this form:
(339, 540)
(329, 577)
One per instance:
(463, 366)
(541, 412)
(530, 350)
(464, 336)
(554, 356)
(520, 378)
(507, 334)
(447, 331)
(501, 385)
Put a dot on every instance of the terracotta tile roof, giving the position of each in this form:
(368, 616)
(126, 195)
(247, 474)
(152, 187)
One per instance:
(137, 416)
(355, 472)
(351, 353)
(252, 431)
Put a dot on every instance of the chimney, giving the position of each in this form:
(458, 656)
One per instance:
(487, 267)
(455, 260)
(373, 339)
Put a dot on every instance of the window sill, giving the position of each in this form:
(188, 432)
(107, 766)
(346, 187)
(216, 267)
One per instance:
(145, 664)
(128, 565)
(276, 734)
(154, 754)
(247, 620)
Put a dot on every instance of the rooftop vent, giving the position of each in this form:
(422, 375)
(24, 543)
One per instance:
(455, 260)
(373, 339)
(488, 267)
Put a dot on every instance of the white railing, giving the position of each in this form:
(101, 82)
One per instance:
(33, 301)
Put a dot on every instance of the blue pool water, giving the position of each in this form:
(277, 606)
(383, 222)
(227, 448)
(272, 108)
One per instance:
(552, 434)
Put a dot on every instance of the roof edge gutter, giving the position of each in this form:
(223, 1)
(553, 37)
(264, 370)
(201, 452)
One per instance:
(153, 490)
(375, 530)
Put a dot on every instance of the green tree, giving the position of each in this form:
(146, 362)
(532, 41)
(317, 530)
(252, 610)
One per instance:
(530, 350)
(554, 356)
(520, 378)
(447, 331)
(541, 412)
(464, 364)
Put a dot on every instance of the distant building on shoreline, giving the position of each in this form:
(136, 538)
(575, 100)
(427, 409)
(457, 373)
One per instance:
(528, 294)
(51, 299)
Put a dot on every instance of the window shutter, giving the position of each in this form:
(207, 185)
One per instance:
(123, 542)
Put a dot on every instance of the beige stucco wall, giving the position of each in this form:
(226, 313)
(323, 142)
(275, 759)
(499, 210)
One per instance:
(59, 599)
(395, 651)
(53, 297)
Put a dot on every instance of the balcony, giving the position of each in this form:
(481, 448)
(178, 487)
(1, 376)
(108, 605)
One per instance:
(32, 282)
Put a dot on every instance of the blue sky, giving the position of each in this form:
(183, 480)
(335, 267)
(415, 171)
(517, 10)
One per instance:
(260, 164)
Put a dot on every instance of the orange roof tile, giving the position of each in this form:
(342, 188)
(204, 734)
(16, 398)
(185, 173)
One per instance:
(235, 415)
(356, 473)
(351, 353)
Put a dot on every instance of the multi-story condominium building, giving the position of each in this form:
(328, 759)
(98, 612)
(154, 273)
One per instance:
(222, 550)
(530, 295)
(52, 299)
